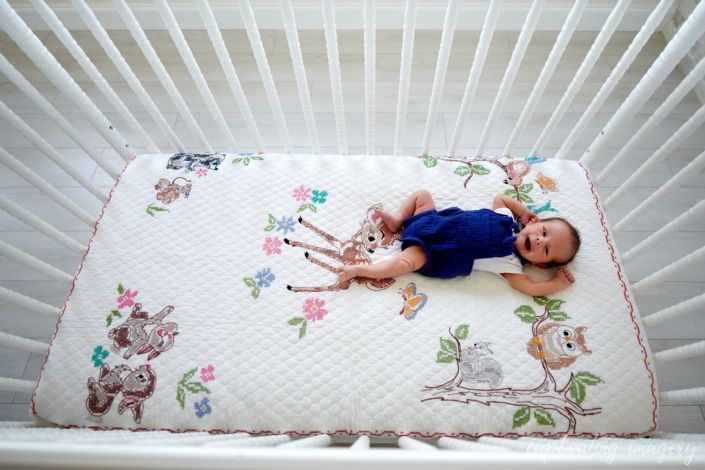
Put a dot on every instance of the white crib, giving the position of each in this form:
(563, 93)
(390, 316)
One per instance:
(210, 103)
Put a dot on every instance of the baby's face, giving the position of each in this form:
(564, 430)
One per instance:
(545, 241)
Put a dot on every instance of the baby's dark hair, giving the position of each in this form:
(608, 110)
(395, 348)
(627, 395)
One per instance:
(574, 239)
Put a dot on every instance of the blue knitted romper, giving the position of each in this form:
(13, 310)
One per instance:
(454, 238)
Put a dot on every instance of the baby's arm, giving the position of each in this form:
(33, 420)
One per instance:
(525, 284)
(517, 208)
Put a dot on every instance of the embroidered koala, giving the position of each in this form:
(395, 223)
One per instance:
(141, 334)
(136, 386)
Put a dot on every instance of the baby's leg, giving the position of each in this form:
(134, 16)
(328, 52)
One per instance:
(409, 260)
(419, 201)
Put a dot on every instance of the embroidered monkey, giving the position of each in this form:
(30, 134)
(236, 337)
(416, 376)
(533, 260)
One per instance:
(168, 192)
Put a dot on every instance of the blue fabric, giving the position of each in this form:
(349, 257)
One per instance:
(454, 238)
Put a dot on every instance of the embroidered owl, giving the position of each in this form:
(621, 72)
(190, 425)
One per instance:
(560, 345)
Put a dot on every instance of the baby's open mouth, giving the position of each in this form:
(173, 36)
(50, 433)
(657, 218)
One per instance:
(527, 244)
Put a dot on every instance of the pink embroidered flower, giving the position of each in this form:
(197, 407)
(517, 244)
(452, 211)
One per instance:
(313, 308)
(302, 194)
(272, 245)
(202, 172)
(126, 299)
(207, 373)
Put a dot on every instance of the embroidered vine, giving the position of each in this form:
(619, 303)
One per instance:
(188, 385)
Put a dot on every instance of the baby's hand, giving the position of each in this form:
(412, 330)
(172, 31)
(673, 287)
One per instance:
(528, 217)
(565, 276)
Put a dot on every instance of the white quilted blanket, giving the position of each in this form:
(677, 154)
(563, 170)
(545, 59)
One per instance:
(207, 301)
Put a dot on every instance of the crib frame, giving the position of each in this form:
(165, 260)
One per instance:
(23, 443)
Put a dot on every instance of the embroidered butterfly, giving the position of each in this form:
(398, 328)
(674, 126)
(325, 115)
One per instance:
(413, 302)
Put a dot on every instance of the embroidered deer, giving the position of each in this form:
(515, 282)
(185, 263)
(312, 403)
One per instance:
(372, 235)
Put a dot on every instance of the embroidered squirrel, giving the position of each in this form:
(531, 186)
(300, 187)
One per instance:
(476, 367)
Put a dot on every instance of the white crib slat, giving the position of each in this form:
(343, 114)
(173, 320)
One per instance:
(23, 343)
(470, 446)
(688, 83)
(478, 64)
(581, 75)
(690, 396)
(34, 263)
(681, 352)
(336, 82)
(16, 385)
(407, 53)
(440, 74)
(370, 68)
(263, 441)
(673, 142)
(18, 30)
(28, 302)
(689, 32)
(32, 135)
(158, 67)
(31, 92)
(196, 74)
(362, 443)
(72, 46)
(101, 35)
(297, 60)
(265, 71)
(41, 184)
(616, 75)
(675, 182)
(674, 311)
(554, 57)
(510, 74)
(226, 63)
(670, 270)
(308, 442)
(38, 224)
(408, 443)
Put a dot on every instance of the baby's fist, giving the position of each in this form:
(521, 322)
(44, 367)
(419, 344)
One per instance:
(566, 276)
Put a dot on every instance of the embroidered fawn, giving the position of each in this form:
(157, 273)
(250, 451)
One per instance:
(372, 235)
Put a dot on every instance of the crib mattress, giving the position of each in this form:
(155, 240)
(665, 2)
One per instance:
(207, 300)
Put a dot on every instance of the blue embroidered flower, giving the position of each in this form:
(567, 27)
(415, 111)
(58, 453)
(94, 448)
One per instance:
(202, 408)
(286, 224)
(99, 355)
(265, 278)
(319, 197)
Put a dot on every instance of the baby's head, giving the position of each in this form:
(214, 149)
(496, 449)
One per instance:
(548, 242)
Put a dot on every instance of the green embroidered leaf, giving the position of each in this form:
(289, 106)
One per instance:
(181, 397)
(430, 162)
(256, 157)
(296, 321)
(586, 378)
(525, 313)
(302, 330)
(449, 346)
(444, 357)
(255, 292)
(558, 316)
(462, 170)
(554, 304)
(249, 282)
(541, 300)
(462, 332)
(237, 160)
(121, 290)
(480, 170)
(196, 387)
(577, 391)
(301, 208)
(544, 418)
(511, 192)
(525, 198)
(521, 417)
(187, 376)
(526, 188)
(151, 209)
(116, 313)
(312, 207)
(109, 321)
(246, 161)
(272, 223)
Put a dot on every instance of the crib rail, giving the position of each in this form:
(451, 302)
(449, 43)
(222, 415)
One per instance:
(87, 80)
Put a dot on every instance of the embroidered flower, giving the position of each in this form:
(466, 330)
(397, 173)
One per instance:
(207, 373)
(126, 299)
(202, 408)
(202, 172)
(286, 224)
(302, 193)
(99, 355)
(319, 197)
(313, 308)
(272, 246)
(265, 278)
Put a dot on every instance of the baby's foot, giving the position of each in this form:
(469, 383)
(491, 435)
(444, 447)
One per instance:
(391, 220)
